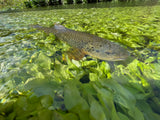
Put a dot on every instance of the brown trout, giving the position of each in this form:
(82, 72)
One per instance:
(88, 44)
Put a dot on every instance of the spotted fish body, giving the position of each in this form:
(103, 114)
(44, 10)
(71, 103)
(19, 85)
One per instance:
(90, 44)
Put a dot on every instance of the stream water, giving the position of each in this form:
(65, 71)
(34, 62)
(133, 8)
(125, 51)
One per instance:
(30, 66)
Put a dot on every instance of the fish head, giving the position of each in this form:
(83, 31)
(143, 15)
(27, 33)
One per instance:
(59, 27)
(110, 51)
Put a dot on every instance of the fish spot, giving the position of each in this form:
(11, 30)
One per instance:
(97, 50)
(87, 48)
(108, 53)
(100, 45)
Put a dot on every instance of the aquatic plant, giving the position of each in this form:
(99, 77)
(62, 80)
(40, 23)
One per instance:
(36, 83)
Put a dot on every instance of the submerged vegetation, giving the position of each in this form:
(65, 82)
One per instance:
(37, 84)
(14, 5)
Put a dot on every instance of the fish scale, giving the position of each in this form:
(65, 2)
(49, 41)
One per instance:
(90, 44)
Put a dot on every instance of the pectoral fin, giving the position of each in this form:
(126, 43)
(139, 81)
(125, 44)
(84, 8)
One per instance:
(74, 53)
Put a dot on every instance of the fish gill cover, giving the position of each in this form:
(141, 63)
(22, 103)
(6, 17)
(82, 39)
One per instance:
(36, 84)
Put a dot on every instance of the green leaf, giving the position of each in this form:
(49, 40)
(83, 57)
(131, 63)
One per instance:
(147, 111)
(122, 116)
(61, 116)
(45, 115)
(96, 111)
(11, 116)
(43, 61)
(93, 76)
(74, 102)
(6, 107)
(2, 117)
(46, 101)
(106, 100)
(124, 99)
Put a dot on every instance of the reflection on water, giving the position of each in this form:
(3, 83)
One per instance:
(29, 63)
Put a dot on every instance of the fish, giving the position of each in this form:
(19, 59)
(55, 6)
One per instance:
(87, 44)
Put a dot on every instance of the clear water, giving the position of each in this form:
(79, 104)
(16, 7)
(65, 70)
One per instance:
(31, 65)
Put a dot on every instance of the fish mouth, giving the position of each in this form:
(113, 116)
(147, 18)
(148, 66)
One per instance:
(120, 57)
(124, 55)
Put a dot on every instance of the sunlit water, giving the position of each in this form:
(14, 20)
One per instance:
(29, 60)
